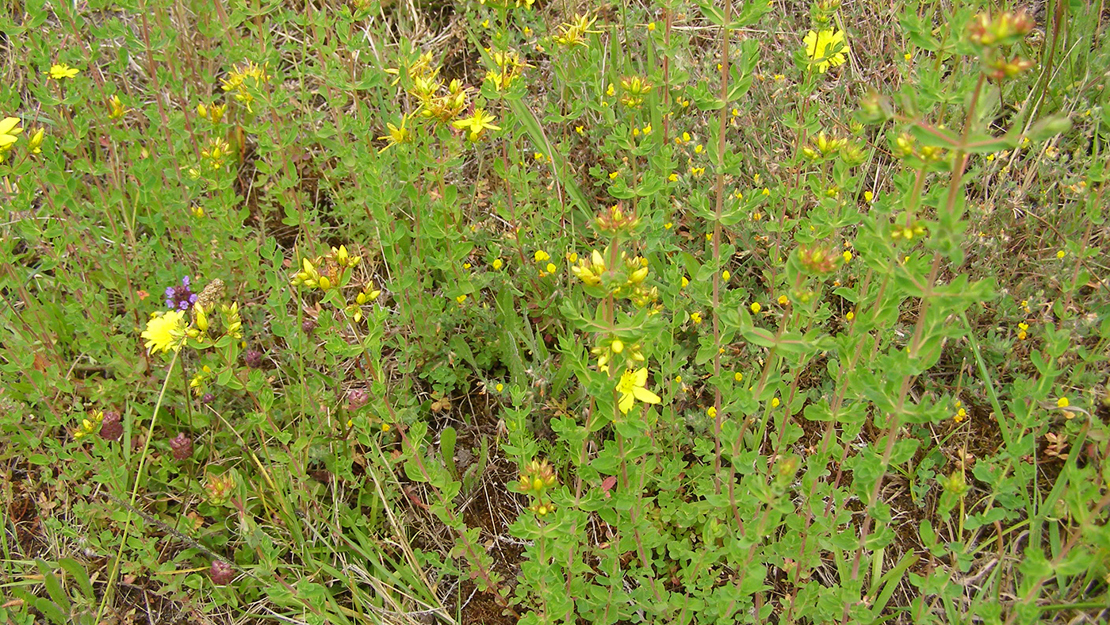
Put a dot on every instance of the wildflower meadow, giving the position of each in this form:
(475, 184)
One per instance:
(527, 311)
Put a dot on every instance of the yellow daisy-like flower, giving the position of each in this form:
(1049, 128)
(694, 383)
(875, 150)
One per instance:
(61, 71)
(631, 387)
(165, 331)
(825, 48)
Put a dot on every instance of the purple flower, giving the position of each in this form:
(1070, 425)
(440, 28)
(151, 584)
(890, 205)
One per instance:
(221, 573)
(110, 428)
(357, 398)
(180, 297)
(181, 446)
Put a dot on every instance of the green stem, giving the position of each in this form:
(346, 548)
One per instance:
(135, 491)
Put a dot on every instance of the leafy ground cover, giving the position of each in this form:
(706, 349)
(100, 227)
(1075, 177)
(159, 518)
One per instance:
(513, 311)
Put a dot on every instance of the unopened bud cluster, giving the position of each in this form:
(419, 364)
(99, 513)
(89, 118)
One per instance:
(615, 219)
(325, 272)
(218, 488)
(817, 259)
(626, 281)
(536, 480)
(632, 353)
(992, 34)
(1004, 29)
(634, 89)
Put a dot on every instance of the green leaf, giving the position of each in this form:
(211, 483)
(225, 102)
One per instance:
(74, 568)
(1049, 127)
(447, 440)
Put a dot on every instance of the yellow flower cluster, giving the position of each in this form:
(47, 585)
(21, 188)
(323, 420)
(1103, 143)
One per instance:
(509, 68)
(244, 80)
(89, 425)
(573, 33)
(635, 89)
(333, 265)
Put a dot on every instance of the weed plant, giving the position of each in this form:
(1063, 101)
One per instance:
(391, 312)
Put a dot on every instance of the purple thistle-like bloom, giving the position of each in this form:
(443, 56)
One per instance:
(180, 297)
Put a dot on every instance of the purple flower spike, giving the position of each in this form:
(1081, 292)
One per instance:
(180, 297)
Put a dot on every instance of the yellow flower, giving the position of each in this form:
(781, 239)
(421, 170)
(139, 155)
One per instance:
(825, 48)
(497, 264)
(541, 256)
(116, 109)
(500, 387)
(1061, 254)
(726, 275)
(61, 71)
(847, 256)
(9, 129)
(574, 32)
(685, 281)
(460, 299)
(165, 331)
(1062, 402)
(851, 315)
(396, 134)
(756, 307)
(212, 113)
(631, 388)
(775, 402)
(783, 300)
(712, 412)
(476, 124)
(739, 377)
(34, 146)
(550, 268)
(695, 317)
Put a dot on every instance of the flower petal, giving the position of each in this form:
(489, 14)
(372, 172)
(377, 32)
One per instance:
(646, 396)
(626, 402)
